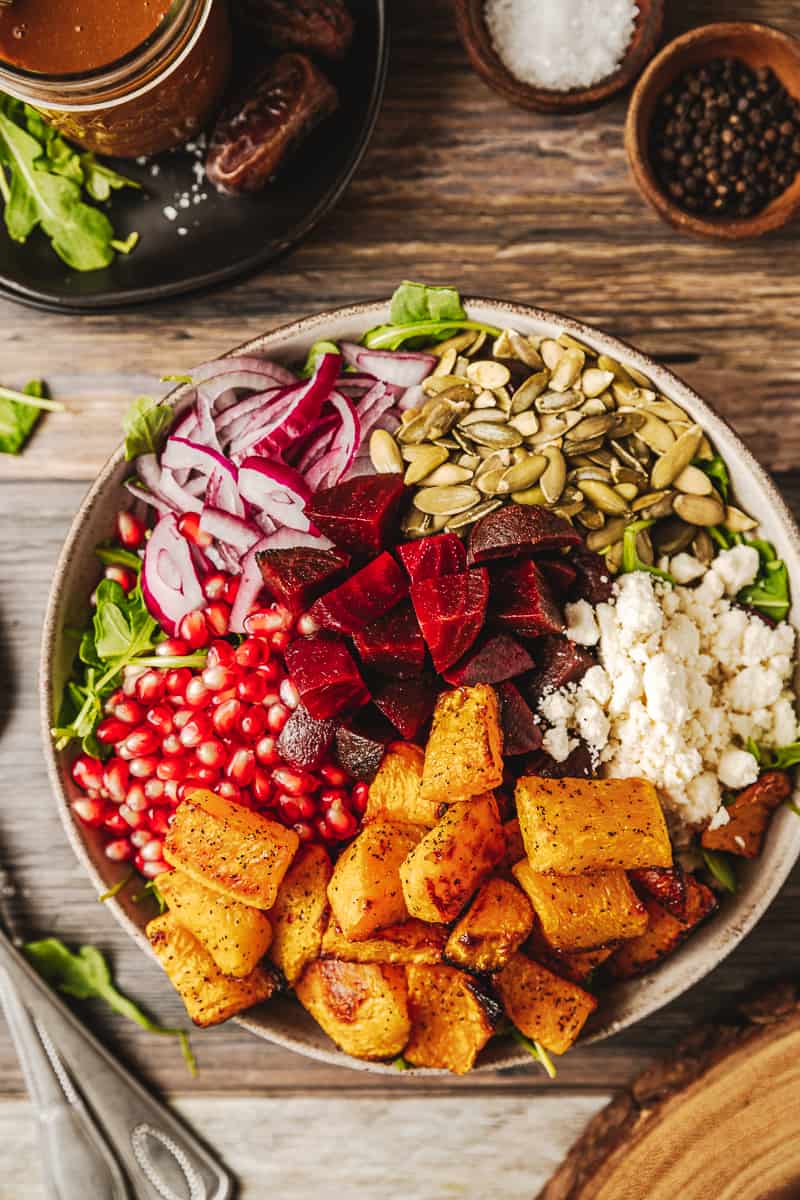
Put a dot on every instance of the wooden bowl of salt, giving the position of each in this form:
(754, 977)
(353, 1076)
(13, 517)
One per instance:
(559, 56)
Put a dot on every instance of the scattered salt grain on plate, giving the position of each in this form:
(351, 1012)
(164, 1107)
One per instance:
(561, 44)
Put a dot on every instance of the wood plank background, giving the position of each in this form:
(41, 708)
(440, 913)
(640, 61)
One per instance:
(457, 187)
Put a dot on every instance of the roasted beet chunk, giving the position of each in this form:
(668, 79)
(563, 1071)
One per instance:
(393, 644)
(559, 573)
(358, 754)
(304, 741)
(518, 529)
(408, 703)
(498, 658)
(451, 611)
(362, 598)
(560, 662)
(360, 513)
(594, 581)
(577, 765)
(522, 600)
(297, 576)
(317, 26)
(325, 674)
(521, 733)
(253, 136)
(430, 557)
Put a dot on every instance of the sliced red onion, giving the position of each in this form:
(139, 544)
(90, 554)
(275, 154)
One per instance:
(164, 486)
(372, 408)
(306, 405)
(243, 364)
(287, 539)
(170, 585)
(247, 404)
(230, 529)
(222, 492)
(137, 489)
(277, 490)
(334, 463)
(396, 366)
(412, 397)
(350, 352)
(181, 453)
(250, 585)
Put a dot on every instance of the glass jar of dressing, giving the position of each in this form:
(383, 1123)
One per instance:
(119, 77)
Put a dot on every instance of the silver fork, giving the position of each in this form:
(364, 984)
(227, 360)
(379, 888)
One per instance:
(101, 1134)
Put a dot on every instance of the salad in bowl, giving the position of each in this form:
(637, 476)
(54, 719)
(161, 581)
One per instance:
(439, 678)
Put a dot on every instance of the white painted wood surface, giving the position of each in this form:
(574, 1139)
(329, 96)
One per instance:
(299, 1147)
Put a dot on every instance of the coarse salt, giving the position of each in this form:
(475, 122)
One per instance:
(561, 44)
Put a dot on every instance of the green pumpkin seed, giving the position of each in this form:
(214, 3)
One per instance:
(603, 497)
(703, 547)
(612, 532)
(446, 501)
(427, 459)
(592, 427)
(485, 400)
(628, 491)
(736, 521)
(470, 461)
(627, 422)
(472, 514)
(533, 495)
(567, 370)
(522, 349)
(668, 467)
(526, 423)
(435, 385)
(489, 482)
(644, 547)
(416, 523)
(672, 536)
(413, 432)
(700, 510)
(591, 518)
(554, 476)
(477, 344)
(654, 505)
(385, 453)
(552, 403)
(594, 381)
(656, 435)
(523, 475)
(693, 481)
(571, 343)
(487, 434)
(492, 415)
(458, 343)
(529, 391)
(551, 353)
(486, 373)
(447, 475)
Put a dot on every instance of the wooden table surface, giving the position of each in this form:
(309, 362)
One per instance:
(457, 187)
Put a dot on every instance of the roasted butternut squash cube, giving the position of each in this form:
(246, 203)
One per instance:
(464, 755)
(412, 941)
(664, 933)
(577, 965)
(581, 912)
(496, 924)
(210, 997)
(749, 815)
(363, 1007)
(453, 859)
(452, 1018)
(515, 847)
(235, 935)
(394, 792)
(299, 913)
(365, 892)
(229, 848)
(570, 826)
(543, 1006)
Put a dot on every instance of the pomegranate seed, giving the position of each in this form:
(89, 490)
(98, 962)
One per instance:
(207, 776)
(252, 688)
(214, 586)
(324, 829)
(130, 711)
(160, 717)
(151, 870)
(220, 654)
(230, 790)
(330, 795)
(159, 820)
(144, 767)
(218, 679)
(194, 630)
(114, 699)
(262, 786)
(136, 819)
(306, 625)
(88, 772)
(360, 796)
(121, 575)
(294, 782)
(277, 716)
(266, 751)
(265, 621)
(189, 526)
(143, 740)
(253, 724)
(150, 687)
(183, 716)
(288, 808)
(138, 862)
(188, 786)
(334, 775)
(270, 699)
(173, 768)
(89, 810)
(289, 694)
(341, 821)
(172, 648)
(197, 694)
(231, 590)
(241, 766)
(111, 730)
(194, 732)
(114, 823)
(140, 837)
(211, 753)
(119, 850)
(130, 530)
(271, 671)
(154, 789)
(171, 787)
(251, 653)
(176, 680)
(129, 677)
(218, 616)
(153, 851)
(304, 831)
(227, 716)
(135, 798)
(280, 640)
(171, 746)
(307, 806)
(115, 779)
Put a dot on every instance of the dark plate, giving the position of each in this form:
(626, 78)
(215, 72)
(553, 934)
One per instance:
(226, 236)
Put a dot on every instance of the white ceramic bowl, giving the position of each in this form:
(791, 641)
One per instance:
(284, 1021)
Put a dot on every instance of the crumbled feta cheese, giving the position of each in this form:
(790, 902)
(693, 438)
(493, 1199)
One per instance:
(581, 623)
(737, 768)
(597, 685)
(721, 817)
(736, 567)
(703, 797)
(638, 610)
(685, 568)
(558, 743)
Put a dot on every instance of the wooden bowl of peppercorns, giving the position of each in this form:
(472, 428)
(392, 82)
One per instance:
(713, 131)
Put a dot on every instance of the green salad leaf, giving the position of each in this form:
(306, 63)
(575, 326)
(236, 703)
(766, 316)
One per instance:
(721, 866)
(769, 591)
(536, 1050)
(717, 471)
(420, 314)
(151, 889)
(145, 425)
(115, 888)
(86, 975)
(778, 758)
(630, 556)
(100, 180)
(19, 412)
(315, 354)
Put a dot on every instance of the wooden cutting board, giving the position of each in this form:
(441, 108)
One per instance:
(718, 1120)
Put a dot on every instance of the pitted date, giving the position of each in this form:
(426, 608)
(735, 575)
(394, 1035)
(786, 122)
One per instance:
(317, 26)
(253, 136)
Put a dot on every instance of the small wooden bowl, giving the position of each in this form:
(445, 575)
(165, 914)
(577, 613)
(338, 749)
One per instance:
(758, 46)
(478, 44)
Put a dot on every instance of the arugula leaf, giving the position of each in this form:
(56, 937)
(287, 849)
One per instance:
(536, 1050)
(778, 758)
(151, 889)
(126, 245)
(769, 592)
(145, 426)
(717, 471)
(401, 1064)
(100, 180)
(18, 414)
(116, 888)
(116, 556)
(315, 354)
(422, 314)
(630, 557)
(85, 976)
(721, 867)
